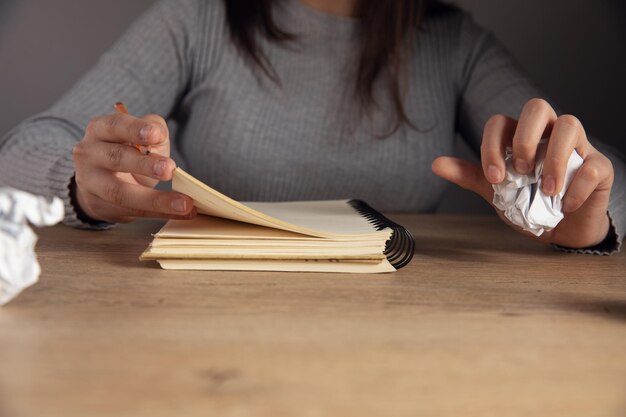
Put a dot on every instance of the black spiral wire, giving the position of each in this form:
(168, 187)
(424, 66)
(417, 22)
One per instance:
(400, 248)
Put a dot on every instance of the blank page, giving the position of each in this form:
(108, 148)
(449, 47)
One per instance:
(325, 219)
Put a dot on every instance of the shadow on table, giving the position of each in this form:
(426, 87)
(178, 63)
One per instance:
(610, 309)
(459, 249)
(527, 301)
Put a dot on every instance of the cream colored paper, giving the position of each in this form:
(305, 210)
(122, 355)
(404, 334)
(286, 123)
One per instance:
(283, 266)
(311, 236)
(326, 219)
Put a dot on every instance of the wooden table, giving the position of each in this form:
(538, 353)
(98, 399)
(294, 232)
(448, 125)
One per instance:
(482, 323)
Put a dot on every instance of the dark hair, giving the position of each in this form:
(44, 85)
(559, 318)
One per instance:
(386, 35)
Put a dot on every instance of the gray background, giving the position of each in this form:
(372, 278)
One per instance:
(575, 50)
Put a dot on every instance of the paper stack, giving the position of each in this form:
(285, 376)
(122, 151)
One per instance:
(313, 236)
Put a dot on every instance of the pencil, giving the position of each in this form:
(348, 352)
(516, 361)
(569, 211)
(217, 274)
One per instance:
(121, 108)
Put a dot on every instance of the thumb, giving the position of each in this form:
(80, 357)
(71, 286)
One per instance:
(463, 174)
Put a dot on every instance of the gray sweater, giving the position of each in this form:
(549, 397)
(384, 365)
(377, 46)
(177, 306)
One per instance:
(255, 140)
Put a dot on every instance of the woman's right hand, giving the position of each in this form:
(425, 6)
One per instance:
(115, 182)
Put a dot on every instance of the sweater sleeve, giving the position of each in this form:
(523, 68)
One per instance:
(148, 69)
(489, 82)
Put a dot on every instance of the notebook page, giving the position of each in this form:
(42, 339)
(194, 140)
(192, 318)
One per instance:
(281, 252)
(333, 217)
(215, 227)
(263, 242)
(293, 266)
(322, 219)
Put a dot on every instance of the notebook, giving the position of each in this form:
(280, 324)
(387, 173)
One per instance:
(346, 236)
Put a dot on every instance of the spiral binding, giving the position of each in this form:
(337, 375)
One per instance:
(401, 246)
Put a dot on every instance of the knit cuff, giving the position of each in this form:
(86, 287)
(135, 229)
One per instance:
(611, 244)
(62, 183)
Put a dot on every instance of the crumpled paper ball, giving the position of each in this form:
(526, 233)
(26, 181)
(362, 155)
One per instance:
(522, 200)
(19, 268)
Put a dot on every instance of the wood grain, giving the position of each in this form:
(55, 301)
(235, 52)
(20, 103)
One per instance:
(484, 322)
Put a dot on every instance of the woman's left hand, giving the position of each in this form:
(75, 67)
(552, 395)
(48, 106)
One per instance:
(585, 204)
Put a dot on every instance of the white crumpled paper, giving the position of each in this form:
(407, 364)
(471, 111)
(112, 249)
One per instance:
(19, 268)
(522, 200)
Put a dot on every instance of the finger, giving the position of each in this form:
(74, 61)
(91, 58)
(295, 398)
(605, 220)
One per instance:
(567, 135)
(595, 177)
(497, 134)
(123, 158)
(105, 211)
(464, 174)
(162, 148)
(123, 128)
(108, 187)
(155, 118)
(535, 122)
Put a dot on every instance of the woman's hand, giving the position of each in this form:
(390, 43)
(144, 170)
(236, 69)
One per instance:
(114, 181)
(586, 201)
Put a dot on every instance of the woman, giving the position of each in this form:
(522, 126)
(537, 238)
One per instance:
(306, 99)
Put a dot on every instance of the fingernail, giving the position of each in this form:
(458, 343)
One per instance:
(144, 133)
(567, 205)
(159, 168)
(521, 166)
(180, 205)
(493, 173)
(549, 185)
